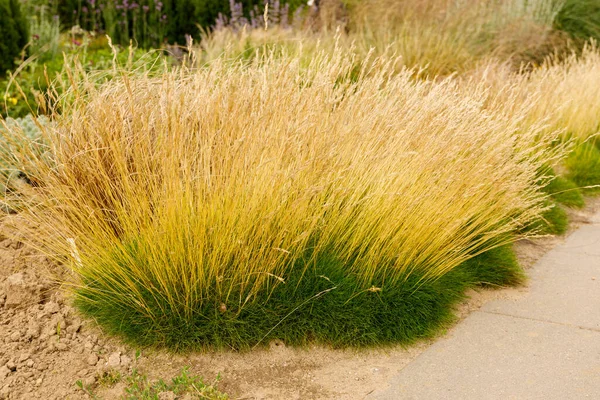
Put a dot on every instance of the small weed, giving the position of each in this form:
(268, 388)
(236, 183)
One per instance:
(109, 378)
(140, 388)
(86, 389)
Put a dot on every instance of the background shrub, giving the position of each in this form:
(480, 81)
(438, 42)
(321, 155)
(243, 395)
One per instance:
(13, 33)
(580, 19)
(149, 23)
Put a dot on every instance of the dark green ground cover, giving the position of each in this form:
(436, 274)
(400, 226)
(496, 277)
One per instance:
(324, 305)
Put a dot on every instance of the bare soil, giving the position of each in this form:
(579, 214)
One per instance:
(45, 347)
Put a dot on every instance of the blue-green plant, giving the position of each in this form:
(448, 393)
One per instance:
(18, 133)
(44, 30)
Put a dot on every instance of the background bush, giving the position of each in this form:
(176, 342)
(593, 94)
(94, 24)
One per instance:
(580, 19)
(149, 23)
(13, 33)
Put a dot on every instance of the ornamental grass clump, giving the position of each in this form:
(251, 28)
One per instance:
(565, 89)
(226, 205)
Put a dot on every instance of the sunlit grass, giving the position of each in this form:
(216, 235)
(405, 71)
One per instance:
(436, 37)
(204, 194)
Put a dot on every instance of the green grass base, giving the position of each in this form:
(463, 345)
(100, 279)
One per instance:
(564, 191)
(554, 221)
(583, 166)
(341, 316)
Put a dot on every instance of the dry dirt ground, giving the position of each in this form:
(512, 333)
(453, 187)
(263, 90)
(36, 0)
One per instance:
(45, 347)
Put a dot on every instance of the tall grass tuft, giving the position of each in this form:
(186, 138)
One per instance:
(219, 205)
(565, 89)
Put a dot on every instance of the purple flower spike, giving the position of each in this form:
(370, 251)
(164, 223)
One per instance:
(145, 8)
(84, 9)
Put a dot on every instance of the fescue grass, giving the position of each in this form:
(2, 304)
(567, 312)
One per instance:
(583, 165)
(306, 186)
(554, 221)
(226, 205)
(564, 191)
(323, 304)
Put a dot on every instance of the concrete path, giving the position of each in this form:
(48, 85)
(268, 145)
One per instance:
(545, 345)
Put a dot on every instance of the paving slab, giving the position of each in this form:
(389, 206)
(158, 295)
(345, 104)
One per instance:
(490, 356)
(564, 287)
(585, 240)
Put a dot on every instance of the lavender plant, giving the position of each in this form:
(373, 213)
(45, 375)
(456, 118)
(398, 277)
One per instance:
(272, 13)
(143, 22)
(44, 29)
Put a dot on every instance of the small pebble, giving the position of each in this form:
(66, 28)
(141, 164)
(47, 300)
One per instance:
(4, 372)
(51, 307)
(92, 359)
(114, 359)
(23, 357)
(125, 361)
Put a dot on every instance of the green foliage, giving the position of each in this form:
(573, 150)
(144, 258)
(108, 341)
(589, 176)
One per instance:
(34, 80)
(109, 378)
(322, 303)
(13, 33)
(206, 13)
(555, 221)
(140, 388)
(564, 191)
(583, 166)
(580, 19)
(498, 267)
(149, 23)
(45, 34)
